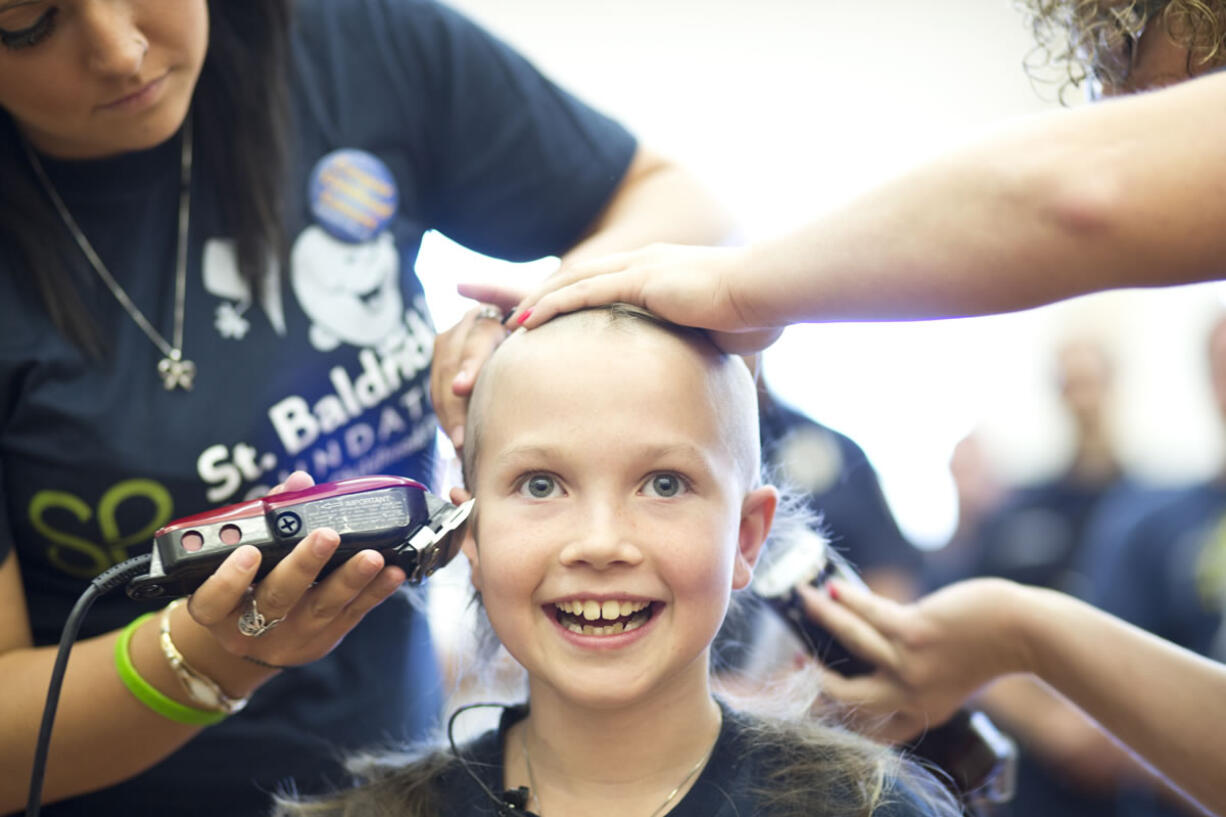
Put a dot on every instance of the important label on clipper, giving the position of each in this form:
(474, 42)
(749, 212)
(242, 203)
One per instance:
(358, 513)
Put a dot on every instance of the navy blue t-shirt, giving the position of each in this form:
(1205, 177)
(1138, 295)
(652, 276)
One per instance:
(1168, 573)
(407, 117)
(730, 784)
(1040, 534)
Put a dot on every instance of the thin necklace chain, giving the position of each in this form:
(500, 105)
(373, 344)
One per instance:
(535, 789)
(173, 370)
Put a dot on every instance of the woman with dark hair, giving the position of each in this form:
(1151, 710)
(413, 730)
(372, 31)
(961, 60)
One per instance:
(209, 217)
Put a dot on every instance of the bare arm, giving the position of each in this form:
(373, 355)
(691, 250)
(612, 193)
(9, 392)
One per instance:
(1163, 702)
(102, 733)
(1123, 193)
(1049, 726)
(658, 200)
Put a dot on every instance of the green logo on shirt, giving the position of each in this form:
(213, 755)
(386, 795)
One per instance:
(83, 558)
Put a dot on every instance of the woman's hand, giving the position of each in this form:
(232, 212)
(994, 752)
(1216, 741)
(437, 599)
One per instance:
(692, 286)
(459, 353)
(931, 655)
(314, 617)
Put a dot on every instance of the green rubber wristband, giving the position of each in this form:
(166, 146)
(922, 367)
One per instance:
(149, 695)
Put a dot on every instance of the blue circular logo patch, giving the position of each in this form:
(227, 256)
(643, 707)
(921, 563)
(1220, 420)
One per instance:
(353, 195)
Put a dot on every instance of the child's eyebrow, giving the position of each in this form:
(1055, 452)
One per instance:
(524, 452)
(689, 454)
(685, 451)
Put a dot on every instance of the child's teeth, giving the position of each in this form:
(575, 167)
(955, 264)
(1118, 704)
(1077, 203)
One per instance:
(590, 611)
(611, 629)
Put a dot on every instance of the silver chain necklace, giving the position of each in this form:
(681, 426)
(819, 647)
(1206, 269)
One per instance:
(172, 368)
(535, 789)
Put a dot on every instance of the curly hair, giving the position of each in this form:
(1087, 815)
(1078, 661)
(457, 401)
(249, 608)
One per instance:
(1082, 41)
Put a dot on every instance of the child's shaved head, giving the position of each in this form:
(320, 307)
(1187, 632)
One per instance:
(729, 391)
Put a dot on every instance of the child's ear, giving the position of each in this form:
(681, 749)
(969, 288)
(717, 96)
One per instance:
(757, 513)
(468, 541)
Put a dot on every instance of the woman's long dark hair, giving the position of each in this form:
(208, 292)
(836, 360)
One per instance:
(241, 111)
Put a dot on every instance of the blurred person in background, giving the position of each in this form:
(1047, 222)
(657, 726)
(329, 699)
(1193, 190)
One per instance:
(1037, 533)
(1039, 536)
(979, 491)
(1167, 573)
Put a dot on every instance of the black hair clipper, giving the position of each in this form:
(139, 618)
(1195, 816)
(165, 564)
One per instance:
(979, 760)
(396, 516)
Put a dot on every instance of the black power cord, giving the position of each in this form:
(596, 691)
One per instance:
(102, 584)
(512, 803)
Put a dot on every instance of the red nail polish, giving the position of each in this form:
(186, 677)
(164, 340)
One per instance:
(520, 320)
(834, 593)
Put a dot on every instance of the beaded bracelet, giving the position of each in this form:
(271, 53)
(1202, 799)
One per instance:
(149, 695)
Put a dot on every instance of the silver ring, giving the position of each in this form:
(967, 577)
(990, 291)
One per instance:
(490, 312)
(252, 622)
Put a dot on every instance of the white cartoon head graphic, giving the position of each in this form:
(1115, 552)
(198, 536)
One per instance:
(350, 292)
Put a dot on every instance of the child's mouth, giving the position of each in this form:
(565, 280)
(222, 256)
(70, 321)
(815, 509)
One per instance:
(591, 617)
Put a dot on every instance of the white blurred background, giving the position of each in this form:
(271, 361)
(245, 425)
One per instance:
(787, 107)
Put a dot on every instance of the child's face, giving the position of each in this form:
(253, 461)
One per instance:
(606, 481)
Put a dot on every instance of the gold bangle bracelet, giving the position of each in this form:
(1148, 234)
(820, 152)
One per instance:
(199, 687)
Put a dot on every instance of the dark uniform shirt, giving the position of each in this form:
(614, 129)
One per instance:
(730, 784)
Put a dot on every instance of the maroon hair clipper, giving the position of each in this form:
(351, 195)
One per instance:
(396, 516)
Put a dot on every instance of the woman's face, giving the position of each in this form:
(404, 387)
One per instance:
(91, 78)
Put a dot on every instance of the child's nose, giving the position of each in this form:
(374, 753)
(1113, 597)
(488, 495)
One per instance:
(117, 46)
(605, 538)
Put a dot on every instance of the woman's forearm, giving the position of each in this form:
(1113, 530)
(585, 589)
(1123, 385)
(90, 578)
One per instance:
(102, 734)
(656, 201)
(1165, 703)
(1119, 194)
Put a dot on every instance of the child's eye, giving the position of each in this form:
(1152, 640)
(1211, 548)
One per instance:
(664, 485)
(32, 34)
(539, 486)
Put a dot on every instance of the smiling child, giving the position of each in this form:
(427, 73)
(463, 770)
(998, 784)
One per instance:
(615, 465)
